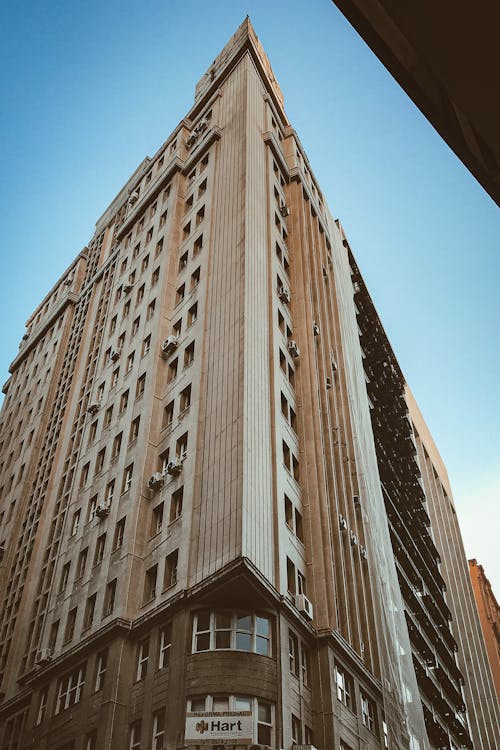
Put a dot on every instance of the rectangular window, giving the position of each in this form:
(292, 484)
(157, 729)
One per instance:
(146, 345)
(150, 584)
(134, 429)
(70, 625)
(171, 569)
(100, 460)
(304, 665)
(197, 245)
(151, 310)
(192, 314)
(185, 400)
(108, 414)
(296, 731)
(176, 504)
(109, 598)
(293, 654)
(99, 549)
(82, 562)
(345, 687)
(142, 659)
(168, 415)
(119, 533)
(264, 723)
(64, 577)
(42, 705)
(165, 643)
(135, 736)
(88, 617)
(158, 729)
(157, 520)
(100, 670)
(368, 713)
(70, 689)
(189, 354)
(141, 385)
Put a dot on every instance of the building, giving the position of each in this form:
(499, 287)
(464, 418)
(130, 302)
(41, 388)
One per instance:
(213, 519)
(489, 614)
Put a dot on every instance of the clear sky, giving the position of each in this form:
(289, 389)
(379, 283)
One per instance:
(88, 89)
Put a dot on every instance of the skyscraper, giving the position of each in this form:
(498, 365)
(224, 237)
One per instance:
(213, 517)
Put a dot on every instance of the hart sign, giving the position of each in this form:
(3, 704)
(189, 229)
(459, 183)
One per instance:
(204, 728)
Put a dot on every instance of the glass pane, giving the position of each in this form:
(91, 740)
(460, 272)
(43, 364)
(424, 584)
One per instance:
(263, 734)
(222, 620)
(197, 704)
(220, 704)
(203, 642)
(203, 621)
(262, 625)
(262, 646)
(244, 622)
(243, 641)
(223, 639)
(242, 704)
(264, 712)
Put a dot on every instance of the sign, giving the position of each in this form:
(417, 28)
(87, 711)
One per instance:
(219, 727)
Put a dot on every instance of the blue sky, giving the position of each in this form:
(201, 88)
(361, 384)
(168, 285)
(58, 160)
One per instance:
(88, 89)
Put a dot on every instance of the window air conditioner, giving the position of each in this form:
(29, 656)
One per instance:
(174, 467)
(342, 522)
(304, 606)
(127, 288)
(134, 197)
(102, 510)
(293, 349)
(315, 328)
(155, 481)
(44, 656)
(169, 345)
(354, 540)
(115, 354)
(284, 210)
(191, 140)
(93, 408)
(284, 295)
(362, 552)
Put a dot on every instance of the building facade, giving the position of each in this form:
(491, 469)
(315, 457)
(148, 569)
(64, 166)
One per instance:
(213, 518)
(489, 614)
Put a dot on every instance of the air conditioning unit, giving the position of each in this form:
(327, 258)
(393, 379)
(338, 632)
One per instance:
(115, 354)
(315, 328)
(342, 523)
(134, 197)
(191, 140)
(174, 467)
(155, 481)
(102, 510)
(293, 349)
(356, 287)
(354, 540)
(363, 553)
(169, 345)
(284, 210)
(284, 295)
(127, 288)
(304, 606)
(93, 408)
(44, 656)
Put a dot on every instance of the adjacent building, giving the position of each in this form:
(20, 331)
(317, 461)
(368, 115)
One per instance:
(215, 522)
(489, 614)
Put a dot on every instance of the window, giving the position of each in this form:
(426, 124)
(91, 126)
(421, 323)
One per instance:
(290, 576)
(140, 294)
(241, 631)
(109, 598)
(172, 370)
(163, 218)
(180, 293)
(181, 446)
(93, 431)
(195, 278)
(192, 314)
(91, 740)
(146, 345)
(42, 705)
(127, 477)
(165, 643)
(141, 385)
(117, 443)
(186, 231)
(99, 549)
(286, 456)
(142, 659)
(82, 562)
(114, 377)
(134, 429)
(163, 460)
(177, 327)
(126, 309)
(158, 729)
(296, 731)
(64, 577)
(198, 245)
(159, 247)
(189, 203)
(149, 235)
(185, 399)
(293, 654)
(304, 665)
(119, 533)
(368, 713)
(189, 354)
(84, 475)
(54, 630)
(176, 504)
(76, 522)
(157, 520)
(108, 415)
(70, 689)
(171, 569)
(155, 276)
(88, 617)
(135, 325)
(168, 415)
(183, 261)
(264, 723)
(110, 488)
(135, 736)
(70, 625)
(130, 362)
(202, 188)
(112, 325)
(200, 215)
(150, 584)
(150, 310)
(204, 163)
(100, 460)
(345, 688)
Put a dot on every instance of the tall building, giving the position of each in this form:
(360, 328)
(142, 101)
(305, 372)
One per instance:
(489, 615)
(213, 520)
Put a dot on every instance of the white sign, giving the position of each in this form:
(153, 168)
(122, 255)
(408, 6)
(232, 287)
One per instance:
(219, 727)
